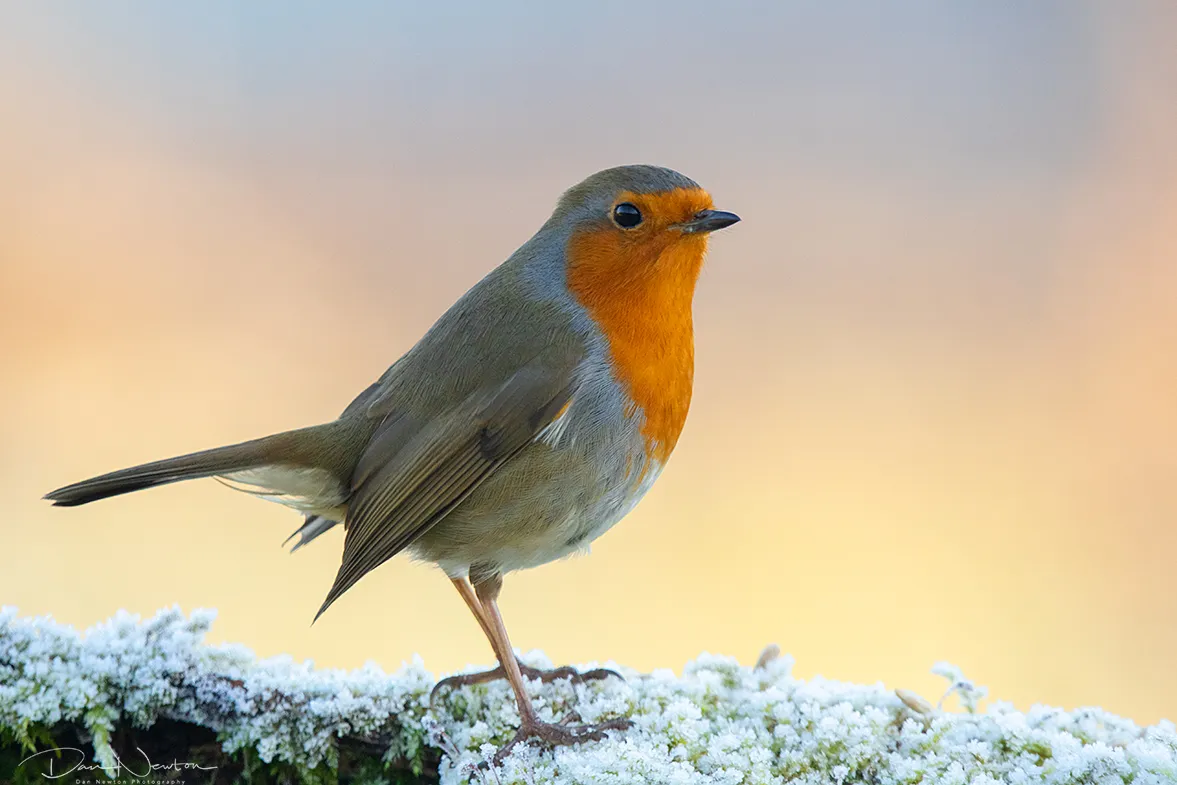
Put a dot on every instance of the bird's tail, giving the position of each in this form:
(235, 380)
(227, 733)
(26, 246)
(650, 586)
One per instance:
(272, 463)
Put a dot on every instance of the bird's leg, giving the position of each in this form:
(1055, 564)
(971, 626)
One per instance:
(467, 591)
(461, 680)
(530, 726)
(464, 679)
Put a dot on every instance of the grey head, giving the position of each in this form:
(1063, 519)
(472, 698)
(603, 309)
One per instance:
(646, 208)
(595, 196)
(621, 198)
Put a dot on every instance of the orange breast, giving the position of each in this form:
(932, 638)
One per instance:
(639, 292)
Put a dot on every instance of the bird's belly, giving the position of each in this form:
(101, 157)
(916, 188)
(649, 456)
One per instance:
(551, 501)
(571, 529)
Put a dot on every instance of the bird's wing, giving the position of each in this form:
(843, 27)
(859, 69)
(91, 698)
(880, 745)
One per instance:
(403, 486)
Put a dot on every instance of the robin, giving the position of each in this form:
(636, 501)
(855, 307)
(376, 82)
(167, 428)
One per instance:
(532, 417)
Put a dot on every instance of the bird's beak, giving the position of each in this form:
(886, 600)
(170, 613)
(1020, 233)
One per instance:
(707, 221)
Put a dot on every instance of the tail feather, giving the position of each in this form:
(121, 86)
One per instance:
(312, 527)
(136, 478)
(311, 447)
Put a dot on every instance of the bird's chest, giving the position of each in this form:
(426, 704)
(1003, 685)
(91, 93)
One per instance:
(618, 452)
(642, 314)
(646, 366)
(622, 471)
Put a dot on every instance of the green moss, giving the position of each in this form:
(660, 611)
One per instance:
(41, 754)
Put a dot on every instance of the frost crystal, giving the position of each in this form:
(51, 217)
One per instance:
(718, 723)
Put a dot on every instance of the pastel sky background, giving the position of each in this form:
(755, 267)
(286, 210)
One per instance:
(936, 401)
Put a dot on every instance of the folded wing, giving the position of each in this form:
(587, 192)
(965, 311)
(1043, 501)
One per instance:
(402, 488)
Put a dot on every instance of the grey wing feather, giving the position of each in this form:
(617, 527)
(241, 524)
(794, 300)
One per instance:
(401, 489)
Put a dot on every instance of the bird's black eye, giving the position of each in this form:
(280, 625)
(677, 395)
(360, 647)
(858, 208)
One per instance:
(626, 215)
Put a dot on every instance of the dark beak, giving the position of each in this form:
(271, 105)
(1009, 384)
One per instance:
(708, 221)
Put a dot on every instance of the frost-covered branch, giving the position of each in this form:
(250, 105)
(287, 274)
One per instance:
(718, 722)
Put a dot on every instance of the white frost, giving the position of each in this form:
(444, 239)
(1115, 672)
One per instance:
(717, 723)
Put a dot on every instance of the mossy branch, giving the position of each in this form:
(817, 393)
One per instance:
(131, 697)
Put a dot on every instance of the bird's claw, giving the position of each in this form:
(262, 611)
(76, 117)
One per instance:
(568, 672)
(544, 676)
(559, 735)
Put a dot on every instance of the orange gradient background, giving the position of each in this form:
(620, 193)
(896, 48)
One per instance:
(936, 403)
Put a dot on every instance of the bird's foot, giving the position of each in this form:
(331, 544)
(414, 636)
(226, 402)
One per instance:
(556, 734)
(545, 676)
(567, 672)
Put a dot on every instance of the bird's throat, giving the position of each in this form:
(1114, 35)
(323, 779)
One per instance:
(641, 299)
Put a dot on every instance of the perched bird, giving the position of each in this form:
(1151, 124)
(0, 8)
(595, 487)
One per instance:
(529, 419)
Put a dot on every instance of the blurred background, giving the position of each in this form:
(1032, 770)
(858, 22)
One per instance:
(936, 400)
